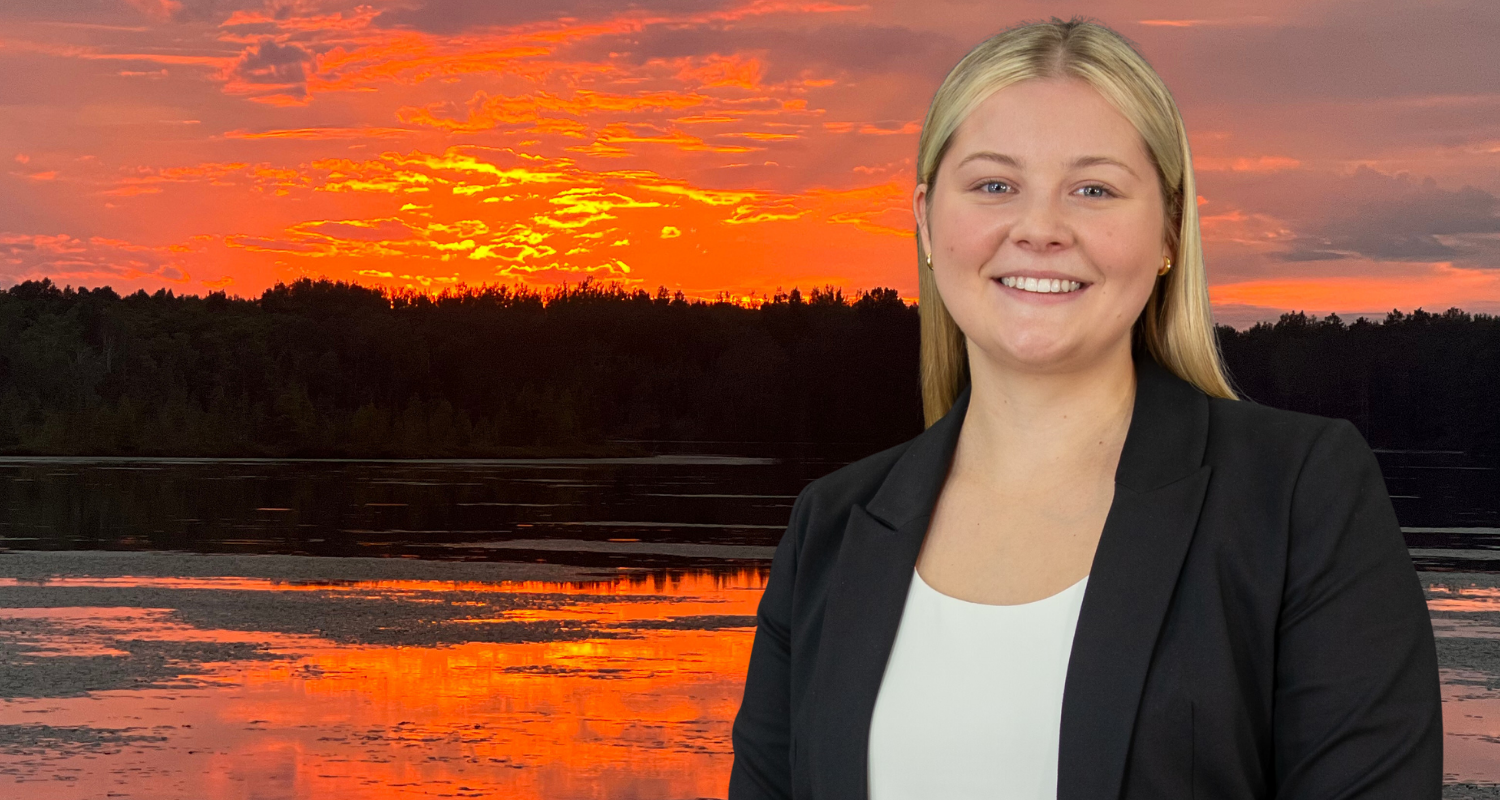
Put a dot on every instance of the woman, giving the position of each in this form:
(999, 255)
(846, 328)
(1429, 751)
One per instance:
(1096, 574)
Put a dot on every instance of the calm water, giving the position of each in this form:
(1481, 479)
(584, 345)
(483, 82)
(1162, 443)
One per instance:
(521, 629)
(678, 510)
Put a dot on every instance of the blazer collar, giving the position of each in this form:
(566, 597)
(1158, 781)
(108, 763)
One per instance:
(1160, 484)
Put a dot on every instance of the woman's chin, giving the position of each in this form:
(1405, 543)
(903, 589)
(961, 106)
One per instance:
(1032, 353)
(1039, 352)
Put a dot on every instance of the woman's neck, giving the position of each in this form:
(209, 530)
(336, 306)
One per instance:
(1046, 428)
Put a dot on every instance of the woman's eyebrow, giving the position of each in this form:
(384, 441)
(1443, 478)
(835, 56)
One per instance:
(1081, 161)
(1089, 161)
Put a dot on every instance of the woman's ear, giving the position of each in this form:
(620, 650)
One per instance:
(919, 210)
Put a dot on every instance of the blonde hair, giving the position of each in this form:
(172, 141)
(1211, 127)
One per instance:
(1176, 326)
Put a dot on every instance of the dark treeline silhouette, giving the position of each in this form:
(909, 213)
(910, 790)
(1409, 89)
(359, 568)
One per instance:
(325, 368)
(321, 368)
(1411, 381)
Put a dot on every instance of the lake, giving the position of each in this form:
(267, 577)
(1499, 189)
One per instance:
(529, 628)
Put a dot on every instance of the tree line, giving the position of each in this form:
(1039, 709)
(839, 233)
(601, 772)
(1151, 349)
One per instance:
(325, 368)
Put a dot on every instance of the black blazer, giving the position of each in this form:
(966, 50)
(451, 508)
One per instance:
(1252, 627)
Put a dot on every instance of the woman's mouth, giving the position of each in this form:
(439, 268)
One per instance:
(1041, 285)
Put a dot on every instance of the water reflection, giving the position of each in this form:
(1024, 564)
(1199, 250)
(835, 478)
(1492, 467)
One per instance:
(674, 510)
(532, 628)
(640, 708)
(631, 697)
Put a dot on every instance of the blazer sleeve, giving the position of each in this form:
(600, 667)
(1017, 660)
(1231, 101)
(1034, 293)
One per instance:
(761, 734)
(1358, 710)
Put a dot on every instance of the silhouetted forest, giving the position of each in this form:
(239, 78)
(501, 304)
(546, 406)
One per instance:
(333, 369)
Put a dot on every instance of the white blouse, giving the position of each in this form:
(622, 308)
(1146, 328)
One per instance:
(971, 700)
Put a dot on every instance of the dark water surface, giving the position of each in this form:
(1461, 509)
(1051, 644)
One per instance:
(678, 509)
(670, 510)
(530, 628)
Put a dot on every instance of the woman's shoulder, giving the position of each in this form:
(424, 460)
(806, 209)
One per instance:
(853, 483)
(1229, 416)
(1247, 436)
(820, 516)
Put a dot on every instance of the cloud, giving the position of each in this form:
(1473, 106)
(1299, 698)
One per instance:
(159, 10)
(1244, 163)
(485, 111)
(456, 16)
(853, 48)
(1405, 221)
(1385, 49)
(273, 64)
(94, 260)
(1429, 286)
(365, 240)
(432, 114)
(322, 133)
(374, 230)
(1224, 22)
(260, 177)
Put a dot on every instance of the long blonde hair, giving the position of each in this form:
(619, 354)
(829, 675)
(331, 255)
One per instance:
(1176, 326)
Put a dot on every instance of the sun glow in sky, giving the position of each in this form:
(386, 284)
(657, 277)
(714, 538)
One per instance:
(1348, 156)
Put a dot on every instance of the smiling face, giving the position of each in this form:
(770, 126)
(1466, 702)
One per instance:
(1046, 226)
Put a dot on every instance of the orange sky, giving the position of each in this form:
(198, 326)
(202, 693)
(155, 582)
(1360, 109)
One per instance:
(1348, 157)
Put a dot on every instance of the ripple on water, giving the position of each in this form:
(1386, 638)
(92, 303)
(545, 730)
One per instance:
(392, 687)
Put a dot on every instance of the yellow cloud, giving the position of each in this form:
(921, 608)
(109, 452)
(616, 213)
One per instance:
(576, 223)
(510, 251)
(589, 200)
(707, 196)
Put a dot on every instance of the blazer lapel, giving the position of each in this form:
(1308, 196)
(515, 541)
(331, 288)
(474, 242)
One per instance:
(1159, 488)
(865, 601)
(866, 595)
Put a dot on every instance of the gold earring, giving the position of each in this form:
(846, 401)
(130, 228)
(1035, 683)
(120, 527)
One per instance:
(1166, 266)
(929, 261)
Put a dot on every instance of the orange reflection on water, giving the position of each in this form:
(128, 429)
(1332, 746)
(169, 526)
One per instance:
(85, 631)
(644, 717)
(1463, 598)
(1470, 714)
(629, 712)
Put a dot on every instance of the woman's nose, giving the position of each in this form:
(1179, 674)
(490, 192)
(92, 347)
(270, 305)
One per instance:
(1040, 223)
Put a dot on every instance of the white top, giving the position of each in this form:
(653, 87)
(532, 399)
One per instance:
(971, 700)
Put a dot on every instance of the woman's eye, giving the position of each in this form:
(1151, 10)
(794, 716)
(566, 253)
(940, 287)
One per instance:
(992, 187)
(1103, 191)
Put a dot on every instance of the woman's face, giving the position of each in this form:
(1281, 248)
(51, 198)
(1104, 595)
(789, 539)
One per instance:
(1044, 184)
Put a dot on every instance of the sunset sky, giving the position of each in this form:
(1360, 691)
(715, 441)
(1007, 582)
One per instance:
(1348, 154)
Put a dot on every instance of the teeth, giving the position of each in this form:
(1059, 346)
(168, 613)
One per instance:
(1043, 286)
